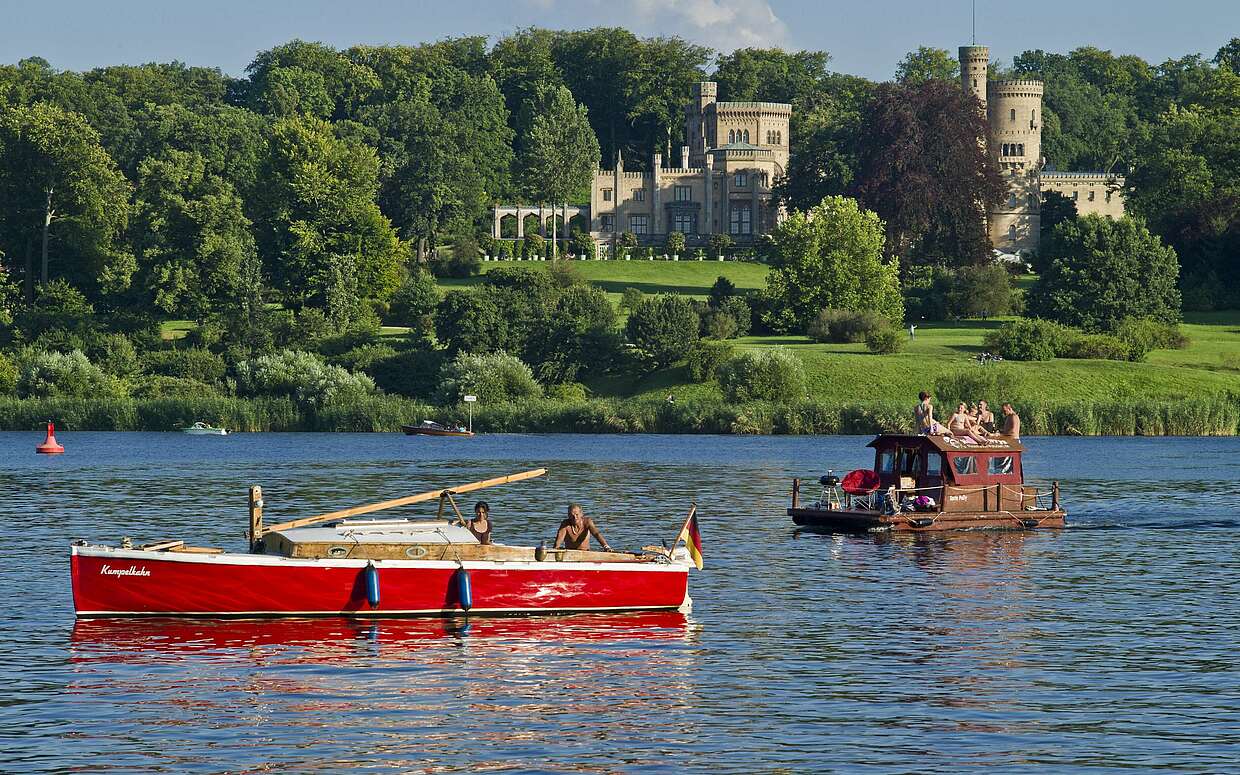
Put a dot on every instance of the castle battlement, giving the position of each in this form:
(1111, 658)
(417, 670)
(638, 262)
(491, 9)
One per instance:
(767, 108)
(1019, 85)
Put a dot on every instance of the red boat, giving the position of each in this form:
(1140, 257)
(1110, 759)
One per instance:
(335, 564)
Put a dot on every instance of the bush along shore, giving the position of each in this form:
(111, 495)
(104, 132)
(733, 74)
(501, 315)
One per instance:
(1205, 416)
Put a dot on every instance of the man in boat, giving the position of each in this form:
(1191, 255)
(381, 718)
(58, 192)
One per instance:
(575, 532)
(1011, 423)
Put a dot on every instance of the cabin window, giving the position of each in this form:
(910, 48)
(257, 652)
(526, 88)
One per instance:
(964, 464)
(886, 461)
(934, 464)
(999, 465)
(908, 462)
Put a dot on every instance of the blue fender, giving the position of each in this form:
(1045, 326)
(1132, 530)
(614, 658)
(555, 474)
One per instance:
(464, 589)
(371, 574)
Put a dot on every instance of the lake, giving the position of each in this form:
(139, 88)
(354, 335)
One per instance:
(1110, 645)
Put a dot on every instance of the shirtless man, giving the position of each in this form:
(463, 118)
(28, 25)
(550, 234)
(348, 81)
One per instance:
(575, 531)
(1011, 423)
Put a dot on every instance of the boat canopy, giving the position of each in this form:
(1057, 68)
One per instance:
(947, 443)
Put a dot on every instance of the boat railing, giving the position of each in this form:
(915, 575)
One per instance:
(1039, 498)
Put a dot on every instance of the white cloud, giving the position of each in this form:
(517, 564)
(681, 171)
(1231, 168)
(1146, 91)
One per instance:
(721, 24)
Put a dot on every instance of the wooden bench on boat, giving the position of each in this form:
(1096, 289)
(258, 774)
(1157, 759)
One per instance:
(969, 485)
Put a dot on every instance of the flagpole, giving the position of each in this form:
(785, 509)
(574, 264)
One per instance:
(676, 543)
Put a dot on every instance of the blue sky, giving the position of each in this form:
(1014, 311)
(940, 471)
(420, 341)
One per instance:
(865, 38)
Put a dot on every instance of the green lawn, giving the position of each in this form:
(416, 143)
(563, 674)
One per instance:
(690, 278)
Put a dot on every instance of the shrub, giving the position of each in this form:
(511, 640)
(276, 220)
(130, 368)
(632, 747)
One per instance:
(302, 375)
(1099, 347)
(705, 359)
(721, 291)
(470, 322)
(564, 275)
(979, 292)
(8, 375)
(488, 245)
(159, 386)
(1142, 335)
(995, 384)
(535, 246)
(663, 329)
(1027, 339)
(718, 325)
(42, 374)
(115, 354)
(191, 363)
(574, 392)
(627, 239)
(719, 245)
(762, 375)
(363, 357)
(844, 326)
(58, 307)
(584, 246)
(493, 377)
(739, 309)
(414, 304)
(630, 299)
(413, 373)
(884, 341)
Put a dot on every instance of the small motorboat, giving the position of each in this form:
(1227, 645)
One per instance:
(345, 564)
(430, 428)
(202, 429)
(924, 483)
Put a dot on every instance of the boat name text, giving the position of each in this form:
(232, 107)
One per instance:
(132, 570)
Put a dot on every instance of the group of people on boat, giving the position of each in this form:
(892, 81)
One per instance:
(574, 531)
(970, 422)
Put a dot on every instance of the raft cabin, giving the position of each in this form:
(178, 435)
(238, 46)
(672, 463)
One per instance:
(922, 483)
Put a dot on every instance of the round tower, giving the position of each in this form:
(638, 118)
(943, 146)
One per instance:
(1014, 140)
(974, 62)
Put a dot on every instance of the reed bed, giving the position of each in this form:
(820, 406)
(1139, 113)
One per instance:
(1204, 416)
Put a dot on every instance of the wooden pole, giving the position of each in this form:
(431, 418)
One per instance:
(692, 511)
(796, 493)
(256, 516)
(1055, 496)
(419, 498)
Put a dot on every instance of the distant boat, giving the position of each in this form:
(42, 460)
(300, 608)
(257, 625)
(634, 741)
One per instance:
(429, 428)
(202, 429)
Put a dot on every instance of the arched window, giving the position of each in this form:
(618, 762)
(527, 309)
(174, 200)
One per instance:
(1020, 149)
(746, 135)
(731, 137)
(1004, 151)
(1013, 114)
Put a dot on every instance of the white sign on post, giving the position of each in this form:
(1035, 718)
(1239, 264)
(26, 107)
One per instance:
(470, 400)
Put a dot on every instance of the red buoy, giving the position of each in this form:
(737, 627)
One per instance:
(50, 446)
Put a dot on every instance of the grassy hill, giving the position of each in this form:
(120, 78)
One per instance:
(848, 374)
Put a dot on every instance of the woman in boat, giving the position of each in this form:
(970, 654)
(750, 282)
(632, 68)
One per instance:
(480, 525)
(985, 417)
(923, 417)
(964, 425)
(575, 532)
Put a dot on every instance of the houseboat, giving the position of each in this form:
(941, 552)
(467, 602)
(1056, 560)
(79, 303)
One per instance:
(345, 563)
(926, 483)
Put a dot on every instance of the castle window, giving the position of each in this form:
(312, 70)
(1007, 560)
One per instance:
(1076, 195)
(740, 180)
(639, 195)
(683, 194)
(685, 223)
(1012, 233)
(639, 224)
(746, 135)
(974, 83)
(1004, 151)
(1013, 118)
(607, 195)
(740, 219)
(609, 223)
(1020, 149)
(1091, 196)
(779, 137)
(1108, 196)
(731, 136)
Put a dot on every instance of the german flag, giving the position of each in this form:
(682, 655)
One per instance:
(692, 538)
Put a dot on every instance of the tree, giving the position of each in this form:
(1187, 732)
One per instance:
(826, 140)
(663, 328)
(57, 184)
(1101, 271)
(190, 235)
(660, 84)
(579, 335)
(470, 322)
(1056, 208)
(598, 67)
(309, 79)
(675, 243)
(831, 256)
(318, 206)
(924, 170)
(562, 153)
(414, 303)
(927, 64)
(772, 75)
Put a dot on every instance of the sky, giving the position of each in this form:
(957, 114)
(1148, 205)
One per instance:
(864, 37)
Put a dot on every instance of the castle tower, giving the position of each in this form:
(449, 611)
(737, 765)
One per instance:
(974, 62)
(697, 132)
(1014, 141)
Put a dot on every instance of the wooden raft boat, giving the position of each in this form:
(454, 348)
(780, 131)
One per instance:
(341, 564)
(927, 483)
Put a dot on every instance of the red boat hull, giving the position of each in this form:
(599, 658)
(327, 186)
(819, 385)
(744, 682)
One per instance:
(120, 582)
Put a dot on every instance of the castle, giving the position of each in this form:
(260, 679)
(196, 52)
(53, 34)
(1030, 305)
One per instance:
(1014, 140)
(738, 150)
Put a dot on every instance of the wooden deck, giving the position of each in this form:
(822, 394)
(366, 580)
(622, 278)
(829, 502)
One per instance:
(847, 520)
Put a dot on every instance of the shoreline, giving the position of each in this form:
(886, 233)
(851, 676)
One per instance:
(1203, 416)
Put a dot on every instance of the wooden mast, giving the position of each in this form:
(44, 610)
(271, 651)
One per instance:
(419, 498)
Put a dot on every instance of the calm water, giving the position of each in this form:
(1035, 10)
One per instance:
(1110, 645)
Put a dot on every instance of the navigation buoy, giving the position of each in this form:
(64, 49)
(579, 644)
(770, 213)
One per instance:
(50, 446)
(464, 590)
(372, 584)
